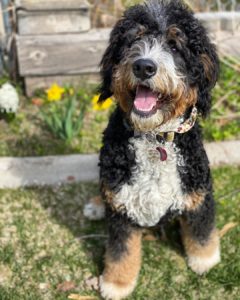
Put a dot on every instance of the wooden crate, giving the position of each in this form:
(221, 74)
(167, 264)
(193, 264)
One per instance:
(61, 54)
(68, 58)
(50, 17)
(2, 30)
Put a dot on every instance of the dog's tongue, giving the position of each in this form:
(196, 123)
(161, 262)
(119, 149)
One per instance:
(145, 99)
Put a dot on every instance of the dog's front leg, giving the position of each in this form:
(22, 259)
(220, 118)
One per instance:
(122, 258)
(200, 237)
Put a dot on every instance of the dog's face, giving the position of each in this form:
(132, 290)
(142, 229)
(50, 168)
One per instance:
(159, 63)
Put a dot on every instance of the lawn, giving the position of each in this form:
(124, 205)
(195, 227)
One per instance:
(48, 250)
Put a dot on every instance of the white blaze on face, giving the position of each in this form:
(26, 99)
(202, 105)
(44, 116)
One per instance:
(165, 82)
(167, 71)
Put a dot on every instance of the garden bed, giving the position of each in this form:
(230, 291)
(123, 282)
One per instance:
(28, 133)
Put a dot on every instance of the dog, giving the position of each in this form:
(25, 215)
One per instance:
(160, 66)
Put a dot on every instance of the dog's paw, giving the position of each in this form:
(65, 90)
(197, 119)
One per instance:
(95, 209)
(115, 291)
(201, 265)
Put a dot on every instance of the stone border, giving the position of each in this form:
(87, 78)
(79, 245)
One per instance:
(55, 170)
(48, 170)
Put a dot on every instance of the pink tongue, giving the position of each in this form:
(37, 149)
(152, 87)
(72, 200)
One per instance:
(145, 99)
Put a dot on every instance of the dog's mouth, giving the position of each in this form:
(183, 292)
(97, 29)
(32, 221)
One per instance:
(147, 102)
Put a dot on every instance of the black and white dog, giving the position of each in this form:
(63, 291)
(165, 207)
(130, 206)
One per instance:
(160, 66)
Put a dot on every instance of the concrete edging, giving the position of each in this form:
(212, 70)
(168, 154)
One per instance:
(55, 170)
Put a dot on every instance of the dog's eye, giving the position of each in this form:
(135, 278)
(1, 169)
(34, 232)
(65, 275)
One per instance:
(174, 49)
(173, 46)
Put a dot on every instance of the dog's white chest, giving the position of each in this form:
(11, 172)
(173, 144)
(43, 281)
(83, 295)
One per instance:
(156, 184)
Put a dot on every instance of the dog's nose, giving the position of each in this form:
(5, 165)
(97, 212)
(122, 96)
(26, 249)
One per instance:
(144, 68)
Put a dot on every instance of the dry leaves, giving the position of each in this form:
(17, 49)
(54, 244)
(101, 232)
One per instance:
(78, 297)
(66, 286)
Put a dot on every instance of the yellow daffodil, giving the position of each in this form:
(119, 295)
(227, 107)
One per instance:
(55, 93)
(101, 106)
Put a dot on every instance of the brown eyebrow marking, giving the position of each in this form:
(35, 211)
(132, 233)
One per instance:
(175, 34)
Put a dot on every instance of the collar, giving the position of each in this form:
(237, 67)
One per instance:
(166, 132)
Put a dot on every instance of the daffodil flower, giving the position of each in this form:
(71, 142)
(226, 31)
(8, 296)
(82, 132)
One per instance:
(55, 92)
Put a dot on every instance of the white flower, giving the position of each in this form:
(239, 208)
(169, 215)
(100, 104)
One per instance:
(9, 99)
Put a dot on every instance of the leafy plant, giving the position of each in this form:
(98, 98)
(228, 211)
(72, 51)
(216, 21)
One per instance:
(224, 120)
(65, 118)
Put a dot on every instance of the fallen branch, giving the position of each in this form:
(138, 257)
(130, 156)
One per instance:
(232, 193)
(92, 236)
(78, 297)
(227, 63)
(227, 117)
(232, 59)
(226, 228)
(222, 99)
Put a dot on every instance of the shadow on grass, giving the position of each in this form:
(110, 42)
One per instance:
(65, 205)
(35, 145)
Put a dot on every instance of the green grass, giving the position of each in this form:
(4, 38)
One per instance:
(224, 120)
(40, 247)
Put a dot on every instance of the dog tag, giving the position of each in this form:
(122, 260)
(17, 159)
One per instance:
(163, 153)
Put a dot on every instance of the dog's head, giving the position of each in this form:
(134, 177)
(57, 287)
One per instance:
(159, 63)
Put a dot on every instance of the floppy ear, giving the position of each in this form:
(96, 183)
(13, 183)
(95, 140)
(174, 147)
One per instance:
(203, 63)
(120, 38)
(210, 69)
(123, 34)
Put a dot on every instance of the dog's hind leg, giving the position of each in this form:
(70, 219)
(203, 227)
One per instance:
(200, 237)
(122, 259)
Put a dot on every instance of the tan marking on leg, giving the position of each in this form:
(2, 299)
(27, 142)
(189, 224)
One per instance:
(120, 277)
(201, 257)
(108, 197)
(194, 200)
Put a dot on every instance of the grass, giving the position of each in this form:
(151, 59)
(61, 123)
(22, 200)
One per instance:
(224, 121)
(41, 249)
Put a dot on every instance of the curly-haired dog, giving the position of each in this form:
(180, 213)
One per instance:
(160, 66)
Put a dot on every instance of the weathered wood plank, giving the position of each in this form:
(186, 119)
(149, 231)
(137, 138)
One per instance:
(51, 4)
(51, 22)
(43, 82)
(2, 30)
(61, 54)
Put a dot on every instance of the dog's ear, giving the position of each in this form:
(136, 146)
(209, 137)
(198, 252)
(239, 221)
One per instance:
(123, 34)
(203, 63)
(209, 74)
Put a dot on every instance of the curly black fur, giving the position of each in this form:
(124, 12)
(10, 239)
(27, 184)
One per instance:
(117, 157)
(156, 17)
